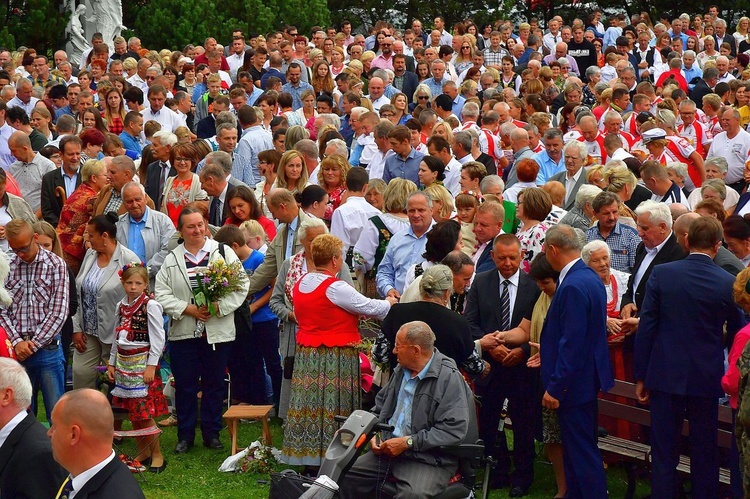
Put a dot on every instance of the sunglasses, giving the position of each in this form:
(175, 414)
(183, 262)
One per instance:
(422, 97)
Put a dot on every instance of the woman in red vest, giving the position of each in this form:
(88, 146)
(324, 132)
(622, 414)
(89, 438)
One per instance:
(326, 380)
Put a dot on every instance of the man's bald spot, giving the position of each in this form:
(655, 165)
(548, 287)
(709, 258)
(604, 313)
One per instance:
(19, 139)
(90, 410)
(684, 221)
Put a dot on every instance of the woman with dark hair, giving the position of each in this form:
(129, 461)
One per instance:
(99, 292)
(532, 208)
(244, 206)
(114, 111)
(199, 341)
(313, 200)
(186, 186)
(443, 238)
(268, 161)
(189, 80)
(91, 119)
(326, 134)
(174, 77)
(737, 237)
(431, 171)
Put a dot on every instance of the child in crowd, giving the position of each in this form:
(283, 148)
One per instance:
(255, 235)
(466, 208)
(251, 349)
(134, 361)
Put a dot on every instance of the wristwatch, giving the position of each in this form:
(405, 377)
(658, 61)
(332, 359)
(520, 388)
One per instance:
(409, 442)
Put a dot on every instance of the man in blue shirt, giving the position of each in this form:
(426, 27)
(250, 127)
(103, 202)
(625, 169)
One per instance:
(551, 159)
(133, 126)
(406, 246)
(405, 163)
(295, 85)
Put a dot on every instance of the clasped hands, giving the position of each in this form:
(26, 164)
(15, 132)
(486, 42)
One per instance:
(494, 344)
(390, 448)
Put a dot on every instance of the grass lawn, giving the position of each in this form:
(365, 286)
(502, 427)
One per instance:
(195, 475)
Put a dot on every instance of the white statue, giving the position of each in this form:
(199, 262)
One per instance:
(78, 42)
(108, 19)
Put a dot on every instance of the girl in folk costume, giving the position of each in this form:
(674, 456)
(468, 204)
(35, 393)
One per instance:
(134, 359)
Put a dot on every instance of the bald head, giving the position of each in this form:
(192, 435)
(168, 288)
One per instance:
(20, 146)
(90, 410)
(681, 227)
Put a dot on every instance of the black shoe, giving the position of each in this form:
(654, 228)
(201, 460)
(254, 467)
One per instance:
(213, 443)
(158, 469)
(518, 491)
(182, 447)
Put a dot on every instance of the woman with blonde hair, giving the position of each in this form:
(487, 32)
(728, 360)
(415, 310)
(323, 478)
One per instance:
(621, 181)
(443, 207)
(114, 111)
(332, 178)
(41, 121)
(293, 135)
(291, 173)
(442, 129)
(337, 61)
(366, 60)
(463, 60)
(468, 88)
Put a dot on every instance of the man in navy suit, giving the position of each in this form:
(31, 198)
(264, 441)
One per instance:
(488, 223)
(575, 361)
(27, 469)
(509, 377)
(157, 172)
(81, 434)
(679, 358)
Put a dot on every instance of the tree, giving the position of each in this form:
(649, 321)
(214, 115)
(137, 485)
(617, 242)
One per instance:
(33, 23)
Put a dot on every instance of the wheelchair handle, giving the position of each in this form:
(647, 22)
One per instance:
(378, 426)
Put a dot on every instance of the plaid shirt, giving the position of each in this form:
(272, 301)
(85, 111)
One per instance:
(41, 297)
(622, 242)
(494, 58)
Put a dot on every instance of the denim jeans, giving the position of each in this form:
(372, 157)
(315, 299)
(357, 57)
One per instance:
(46, 369)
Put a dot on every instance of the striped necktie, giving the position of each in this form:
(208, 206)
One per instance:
(505, 307)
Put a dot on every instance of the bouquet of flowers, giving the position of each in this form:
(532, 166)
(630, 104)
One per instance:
(218, 280)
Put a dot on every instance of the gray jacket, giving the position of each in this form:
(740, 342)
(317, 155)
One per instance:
(156, 235)
(440, 409)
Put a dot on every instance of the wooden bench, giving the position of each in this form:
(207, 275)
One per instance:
(237, 412)
(635, 452)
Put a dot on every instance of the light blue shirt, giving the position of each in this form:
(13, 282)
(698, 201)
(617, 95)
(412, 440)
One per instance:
(404, 250)
(70, 182)
(291, 229)
(397, 167)
(458, 105)
(257, 92)
(401, 418)
(135, 238)
(691, 73)
(296, 92)
(131, 143)
(245, 165)
(436, 87)
(547, 167)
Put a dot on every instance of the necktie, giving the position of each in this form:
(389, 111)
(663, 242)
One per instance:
(505, 307)
(215, 212)
(66, 489)
(162, 180)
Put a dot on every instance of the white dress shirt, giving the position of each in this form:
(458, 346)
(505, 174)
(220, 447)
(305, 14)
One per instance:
(6, 430)
(512, 289)
(650, 255)
(349, 219)
(167, 118)
(565, 270)
(80, 480)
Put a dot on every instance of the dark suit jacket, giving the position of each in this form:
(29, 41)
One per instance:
(483, 309)
(206, 128)
(699, 90)
(27, 469)
(114, 480)
(729, 39)
(51, 206)
(670, 252)
(152, 180)
(640, 194)
(575, 356)
(485, 262)
(679, 349)
(411, 64)
(409, 85)
(226, 211)
(560, 177)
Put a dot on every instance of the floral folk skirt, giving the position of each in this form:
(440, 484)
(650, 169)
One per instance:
(325, 383)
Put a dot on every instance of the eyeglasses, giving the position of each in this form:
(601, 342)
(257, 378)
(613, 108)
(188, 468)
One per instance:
(24, 249)
(386, 44)
(182, 160)
(467, 47)
(422, 97)
(386, 115)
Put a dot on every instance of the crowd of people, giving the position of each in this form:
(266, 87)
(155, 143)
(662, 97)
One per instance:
(542, 207)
